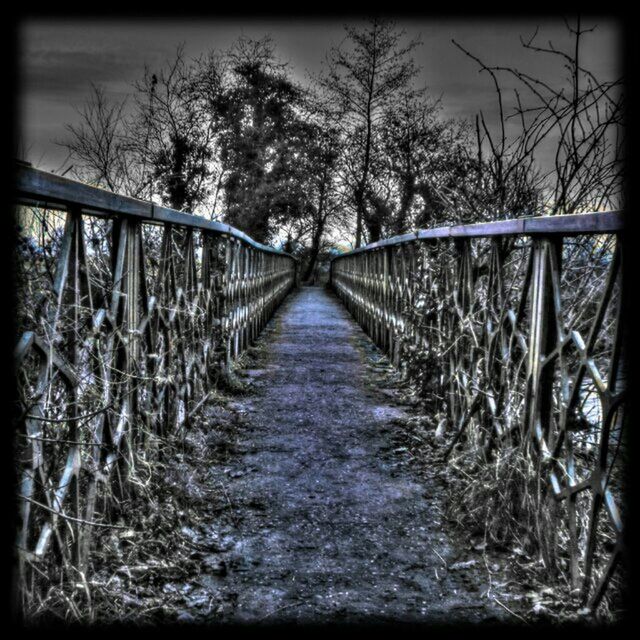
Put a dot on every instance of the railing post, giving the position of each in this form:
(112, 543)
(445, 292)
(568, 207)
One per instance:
(543, 336)
(547, 254)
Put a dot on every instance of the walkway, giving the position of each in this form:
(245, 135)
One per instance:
(332, 527)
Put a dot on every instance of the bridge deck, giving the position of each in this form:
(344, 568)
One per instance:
(333, 525)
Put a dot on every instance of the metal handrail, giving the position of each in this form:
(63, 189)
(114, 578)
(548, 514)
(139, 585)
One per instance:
(573, 224)
(510, 350)
(35, 187)
(121, 346)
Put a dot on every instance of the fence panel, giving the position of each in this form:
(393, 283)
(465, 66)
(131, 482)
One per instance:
(128, 315)
(512, 334)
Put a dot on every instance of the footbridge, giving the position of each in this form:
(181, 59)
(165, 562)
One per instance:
(509, 334)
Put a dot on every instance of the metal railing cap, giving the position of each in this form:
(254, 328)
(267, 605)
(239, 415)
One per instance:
(573, 224)
(35, 187)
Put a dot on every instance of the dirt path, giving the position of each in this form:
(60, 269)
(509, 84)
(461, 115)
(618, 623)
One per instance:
(329, 524)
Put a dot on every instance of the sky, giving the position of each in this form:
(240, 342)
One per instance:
(58, 59)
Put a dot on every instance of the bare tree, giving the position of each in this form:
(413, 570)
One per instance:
(162, 144)
(100, 148)
(361, 80)
(584, 125)
(417, 148)
(173, 132)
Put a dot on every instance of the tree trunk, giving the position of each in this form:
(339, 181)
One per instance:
(374, 227)
(365, 172)
(317, 238)
(315, 251)
(358, 225)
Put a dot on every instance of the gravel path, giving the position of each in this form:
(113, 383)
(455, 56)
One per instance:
(331, 525)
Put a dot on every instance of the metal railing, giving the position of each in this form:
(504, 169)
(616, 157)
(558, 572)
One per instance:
(129, 313)
(512, 333)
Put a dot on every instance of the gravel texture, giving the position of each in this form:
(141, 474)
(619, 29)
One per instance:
(330, 522)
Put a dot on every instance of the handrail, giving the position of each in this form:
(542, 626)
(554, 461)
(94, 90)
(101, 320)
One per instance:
(573, 224)
(131, 317)
(517, 349)
(40, 188)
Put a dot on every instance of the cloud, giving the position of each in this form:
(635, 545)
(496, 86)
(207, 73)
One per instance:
(65, 74)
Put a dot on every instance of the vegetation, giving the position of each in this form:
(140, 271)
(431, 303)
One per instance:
(360, 154)
(362, 150)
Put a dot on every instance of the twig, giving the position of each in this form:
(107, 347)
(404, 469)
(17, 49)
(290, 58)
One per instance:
(513, 613)
(64, 516)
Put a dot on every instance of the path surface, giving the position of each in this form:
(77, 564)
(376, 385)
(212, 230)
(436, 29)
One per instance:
(332, 527)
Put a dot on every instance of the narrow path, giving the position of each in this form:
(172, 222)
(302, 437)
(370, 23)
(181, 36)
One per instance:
(330, 527)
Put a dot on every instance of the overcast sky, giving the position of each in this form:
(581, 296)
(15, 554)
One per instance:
(59, 58)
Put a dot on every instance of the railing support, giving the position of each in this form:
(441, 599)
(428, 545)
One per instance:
(120, 348)
(502, 310)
